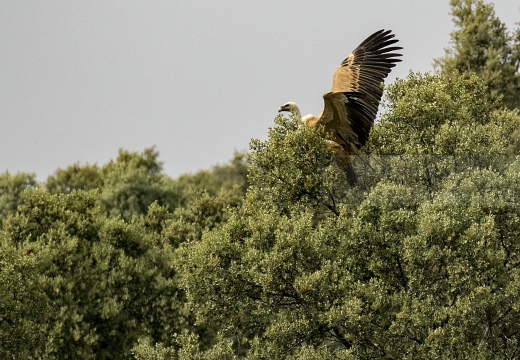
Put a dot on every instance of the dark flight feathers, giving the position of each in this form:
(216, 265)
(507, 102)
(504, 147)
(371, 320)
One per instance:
(359, 79)
(357, 86)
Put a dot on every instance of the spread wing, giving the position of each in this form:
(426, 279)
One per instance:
(347, 119)
(351, 106)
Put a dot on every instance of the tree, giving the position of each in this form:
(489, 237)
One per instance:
(294, 167)
(421, 263)
(11, 187)
(228, 177)
(24, 309)
(482, 45)
(134, 181)
(107, 281)
(440, 125)
(86, 262)
(75, 177)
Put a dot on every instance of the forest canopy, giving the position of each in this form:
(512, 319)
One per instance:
(274, 255)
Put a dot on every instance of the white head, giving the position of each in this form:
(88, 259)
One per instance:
(291, 107)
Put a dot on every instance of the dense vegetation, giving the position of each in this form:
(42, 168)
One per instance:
(273, 255)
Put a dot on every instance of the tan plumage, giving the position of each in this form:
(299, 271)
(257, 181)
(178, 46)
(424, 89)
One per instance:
(351, 106)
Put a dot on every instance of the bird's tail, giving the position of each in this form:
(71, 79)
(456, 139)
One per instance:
(344, 161)
(350, 174)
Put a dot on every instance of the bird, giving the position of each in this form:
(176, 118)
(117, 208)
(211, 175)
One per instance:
(350, 108)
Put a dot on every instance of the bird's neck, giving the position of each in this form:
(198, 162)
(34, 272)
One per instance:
(296, 112)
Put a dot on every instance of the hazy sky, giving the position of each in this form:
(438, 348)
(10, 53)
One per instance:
(198, 79)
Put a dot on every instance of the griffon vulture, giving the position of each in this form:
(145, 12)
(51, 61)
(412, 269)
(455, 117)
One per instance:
(351, 106)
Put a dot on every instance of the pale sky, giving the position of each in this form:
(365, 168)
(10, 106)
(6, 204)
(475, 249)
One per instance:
(198, 79)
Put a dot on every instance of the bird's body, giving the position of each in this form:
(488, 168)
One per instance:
(350, 108)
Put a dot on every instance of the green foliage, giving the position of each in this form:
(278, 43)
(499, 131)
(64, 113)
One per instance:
(188, 349)
(110, 282)
(202, 213)
(133, 182)
(439, 125)
(227, 177)
(75, 177)
(145, 351)
(462, 266)
(294, 167)
(422, 263)
(11, 186)
(437, 115)
(24, 309)
(128, 185)
(482, 45)
(91, 255)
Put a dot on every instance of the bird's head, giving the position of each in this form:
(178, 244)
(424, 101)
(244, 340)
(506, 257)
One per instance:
(288, 106)
(292, 108)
